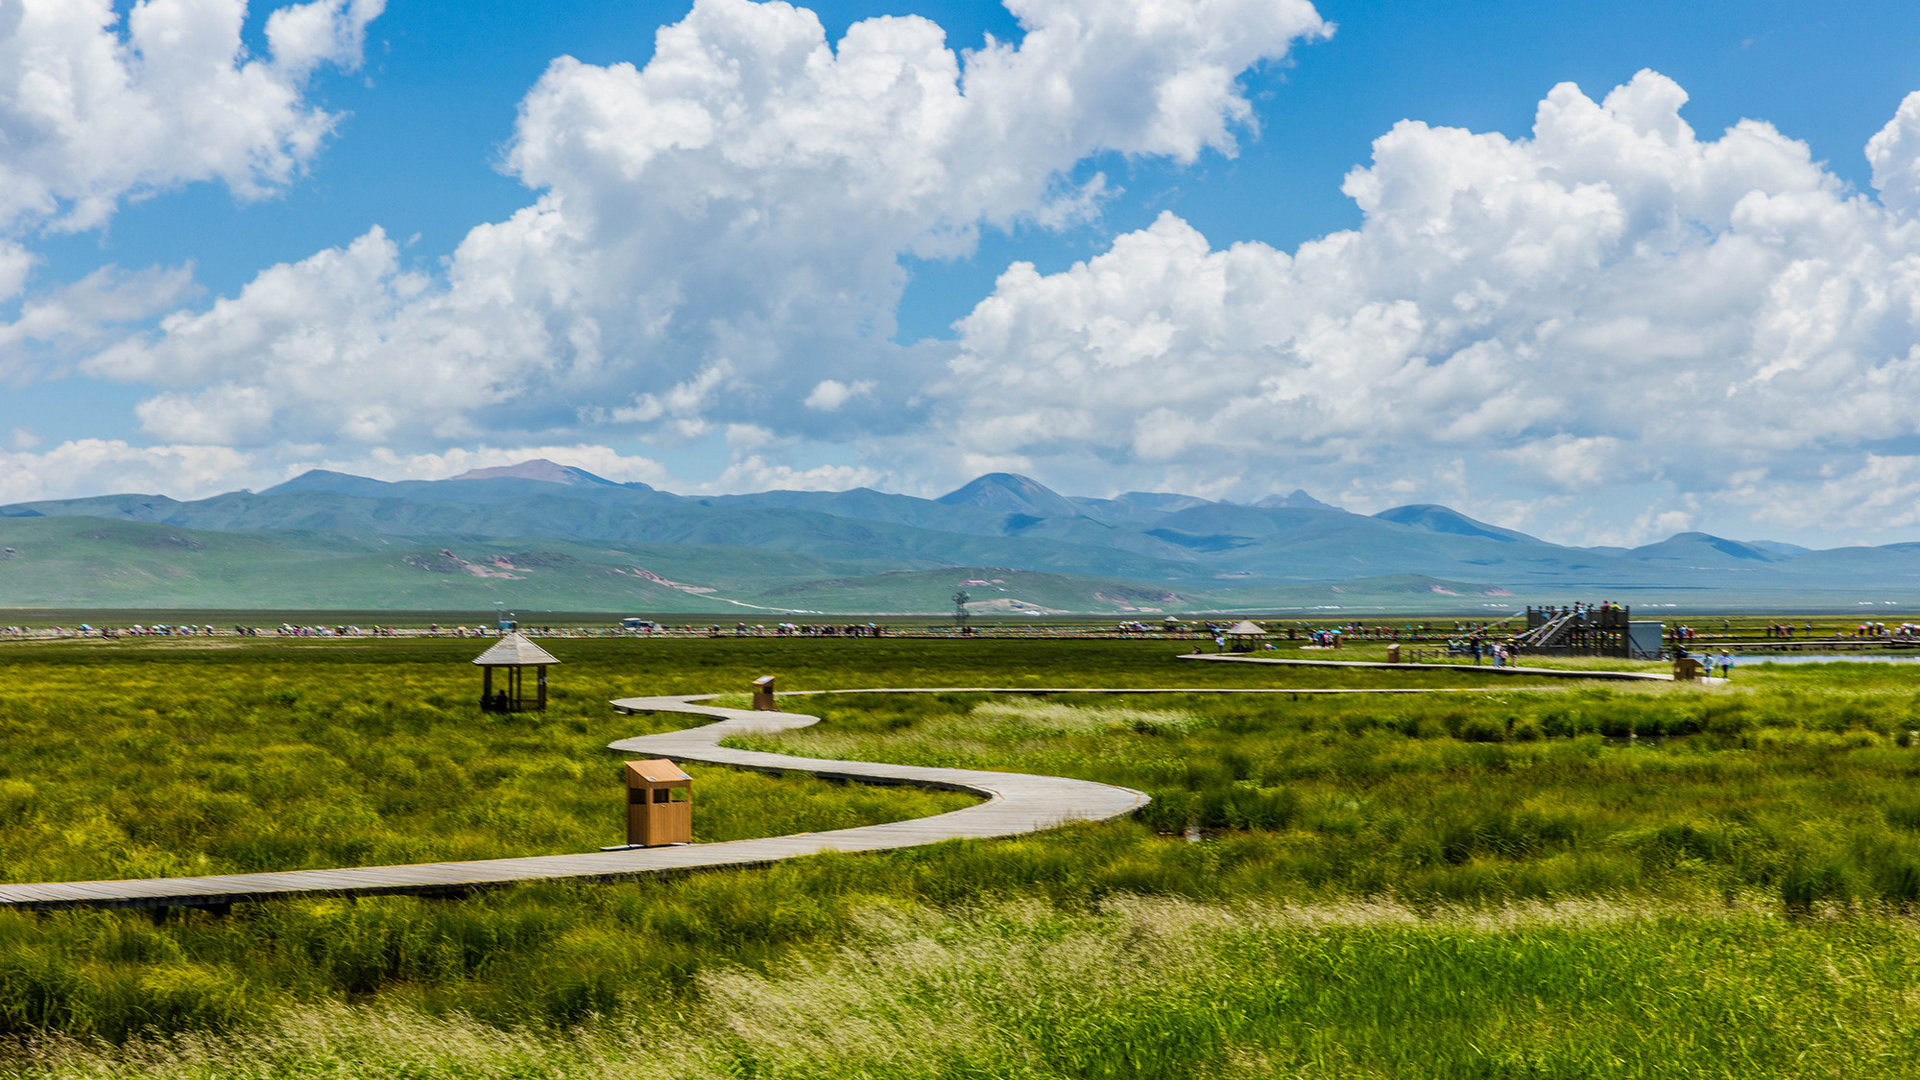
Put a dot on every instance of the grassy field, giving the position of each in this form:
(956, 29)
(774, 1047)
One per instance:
(1552, 879)
(1157, 987)
(1795, 797)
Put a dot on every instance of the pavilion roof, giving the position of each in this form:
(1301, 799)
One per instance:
(514, 650)
(1246, 628)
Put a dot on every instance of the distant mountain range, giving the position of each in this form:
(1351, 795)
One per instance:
(540, 535)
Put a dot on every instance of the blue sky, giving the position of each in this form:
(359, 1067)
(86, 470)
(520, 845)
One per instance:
(1127, 249)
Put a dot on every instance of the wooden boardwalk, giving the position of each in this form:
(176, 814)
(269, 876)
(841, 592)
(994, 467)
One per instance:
(1015, 803)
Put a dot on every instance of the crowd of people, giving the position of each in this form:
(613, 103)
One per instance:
(1480, 641)
(650, 629)
(787, 629)
(1901, 632)
(1482, 648)
(87, 630)
(285, 630)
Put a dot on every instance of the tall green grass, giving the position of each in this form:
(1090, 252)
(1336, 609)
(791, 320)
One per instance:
(1159, 988)
(1805, 797)
(1558, 880)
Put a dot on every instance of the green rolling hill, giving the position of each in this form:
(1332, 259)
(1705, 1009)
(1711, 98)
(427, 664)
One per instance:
(550, 536)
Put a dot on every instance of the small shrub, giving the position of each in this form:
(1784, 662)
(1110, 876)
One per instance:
(1804, 885)
(1482, 729)
(1729, 724)
(1904, 816)
(185, 996)
(1899, 882)
(43, 992)
(1262, 808)
(1688, 723)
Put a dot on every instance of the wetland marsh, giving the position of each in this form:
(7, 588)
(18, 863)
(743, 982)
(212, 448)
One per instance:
(1549, 879)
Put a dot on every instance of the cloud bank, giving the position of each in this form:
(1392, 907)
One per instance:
(730, 217)
(1611, 302)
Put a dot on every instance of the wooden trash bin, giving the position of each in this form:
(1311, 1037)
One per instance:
(1685, 669)
(1393, 653)
(659, 804)
(763, 694)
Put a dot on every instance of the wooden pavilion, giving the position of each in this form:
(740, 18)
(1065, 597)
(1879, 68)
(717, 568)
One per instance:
(515, 654)
(1244, 636)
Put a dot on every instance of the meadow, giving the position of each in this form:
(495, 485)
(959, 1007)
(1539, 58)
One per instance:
(1557, 878)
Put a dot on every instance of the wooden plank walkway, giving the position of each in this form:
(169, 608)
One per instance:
(1015, 803)
(1478, 669)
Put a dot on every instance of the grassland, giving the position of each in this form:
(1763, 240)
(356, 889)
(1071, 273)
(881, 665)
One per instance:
(1553, 879)
(1161, 987)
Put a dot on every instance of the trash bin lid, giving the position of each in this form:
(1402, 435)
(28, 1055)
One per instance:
(655, 771)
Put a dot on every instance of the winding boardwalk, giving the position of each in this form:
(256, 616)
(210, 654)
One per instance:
(1015, 803)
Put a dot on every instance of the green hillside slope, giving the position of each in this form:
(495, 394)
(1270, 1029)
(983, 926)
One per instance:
(550, 536)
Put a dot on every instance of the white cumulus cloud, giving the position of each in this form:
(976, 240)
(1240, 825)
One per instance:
(1894, 153)
(829, 394)
(15, 263)
(93, 466)
(1612, 301)
(82, 467)
(92, 112)
(87, 312)
(739, 204)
